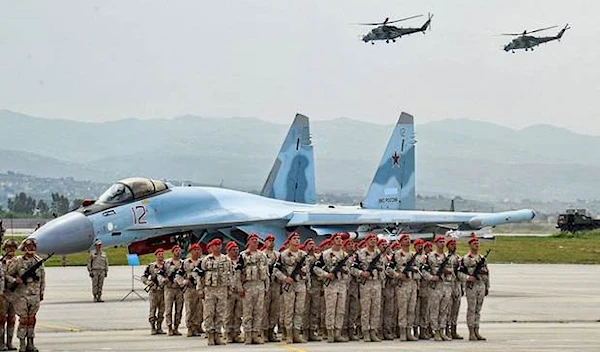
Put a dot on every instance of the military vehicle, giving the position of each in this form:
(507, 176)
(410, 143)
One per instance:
(573, 220)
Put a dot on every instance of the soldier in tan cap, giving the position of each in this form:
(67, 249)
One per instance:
(97, 267)
(8, 304)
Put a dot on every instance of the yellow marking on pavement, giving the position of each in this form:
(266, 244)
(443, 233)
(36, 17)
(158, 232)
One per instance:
(291, 348)
(59, 327)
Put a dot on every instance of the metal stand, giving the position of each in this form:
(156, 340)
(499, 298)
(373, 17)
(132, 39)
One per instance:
(132, 288)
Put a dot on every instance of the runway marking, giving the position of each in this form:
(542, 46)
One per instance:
(292, 348)
(59, 327)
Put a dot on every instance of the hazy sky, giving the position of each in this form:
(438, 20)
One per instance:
(104, 60)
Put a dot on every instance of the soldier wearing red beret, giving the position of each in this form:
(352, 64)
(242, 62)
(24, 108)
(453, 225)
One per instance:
(156, 293)
(234, 300)
(441, 290)
(173, 291)
(456, 290)
(314, 295)
(273, 296)
(477, 288)
(192, 295)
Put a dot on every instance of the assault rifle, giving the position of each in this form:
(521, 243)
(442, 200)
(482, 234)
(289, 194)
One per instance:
(319, 263)
(295, 273)
(337, 268)
(478, 267)
(372, 266)
(241, 264)
(409, 264)
(153, 279)
(440, 269)
(30, 272)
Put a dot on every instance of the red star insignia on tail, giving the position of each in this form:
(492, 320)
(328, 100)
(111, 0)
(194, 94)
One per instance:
(395, 159)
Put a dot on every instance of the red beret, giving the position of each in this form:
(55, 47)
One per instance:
(251, 236)
(345, 235)
(337, 234)
(230, 245)
(310, 240)
(214, 242)
(346, 242)
(194, 246)
(403, 236)
(175, 247)
(382, 241)
(369, 236)
(270, 236)
(160, 250)
(439, 238)
(428, 244)
(418, 241)
(292, 235)
(450, 241)
(473, 239)
(362, 243)
(395, 245)
(324, 243)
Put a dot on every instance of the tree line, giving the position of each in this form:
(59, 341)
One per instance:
(23, 204)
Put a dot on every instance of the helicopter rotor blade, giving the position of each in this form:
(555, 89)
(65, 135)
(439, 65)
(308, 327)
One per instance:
(404, 19)
(542, 29)
(387, 21)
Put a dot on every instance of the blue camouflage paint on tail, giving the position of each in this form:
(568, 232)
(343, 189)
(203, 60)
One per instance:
(393, 186)
(292, 177)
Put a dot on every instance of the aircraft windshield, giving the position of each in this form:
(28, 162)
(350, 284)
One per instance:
(117, 193)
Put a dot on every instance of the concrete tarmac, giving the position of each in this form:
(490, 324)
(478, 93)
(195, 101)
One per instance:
(530, 308)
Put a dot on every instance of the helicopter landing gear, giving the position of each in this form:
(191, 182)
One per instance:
(394, 40)
(372, 43)
(387, 41)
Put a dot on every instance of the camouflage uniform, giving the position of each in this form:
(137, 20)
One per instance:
(272, 299)
(335, 293)
(192, 297)
(406, 294)
(156, 296)
(233, 318)
(390, 310)
(422, 312)
(173, 294)
(312, 307)
(7, 306)
(98, 268)
(255, 281)
(352, 316)
(475, 292)
(27, 297)
(455, 296)
(439, 298)
(370, 292)
(295, 296)
(217, 285)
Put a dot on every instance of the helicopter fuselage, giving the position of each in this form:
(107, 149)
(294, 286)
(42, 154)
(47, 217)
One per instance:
(388, 33)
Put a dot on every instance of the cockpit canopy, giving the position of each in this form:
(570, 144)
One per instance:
(131, 189)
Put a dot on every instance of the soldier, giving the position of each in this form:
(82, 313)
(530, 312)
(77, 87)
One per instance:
(440, 289)
(272, 297)
(193, 292)
(293, 272)
(456, 290)
(314, 295)
(173, 290)
(477, 288)
(8, 303)
(28, 294)
(234, 299)
(369, 269)
(421, 314)
(156, 292)
(406, 291)
(98, 268)
(388, 294)
(254, 269)
(323, 246)
(335, 287)
(217, 287)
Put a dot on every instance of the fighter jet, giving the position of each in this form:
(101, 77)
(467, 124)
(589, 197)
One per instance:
(147, 212)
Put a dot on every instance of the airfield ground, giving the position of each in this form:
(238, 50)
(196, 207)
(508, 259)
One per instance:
(530, 308)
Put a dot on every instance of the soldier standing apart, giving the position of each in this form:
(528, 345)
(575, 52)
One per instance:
(477, 288)
(293, 273)
(440, 289)
(255, 282)
(456, 290)
(192, 295)
(156, 292)
(369, 269)
(272, 297)
(312, 308)
(8, 303)
(335, 288)
(28, 294)
(234, 298)
(98, 268)
(173, 290)
(217, 284)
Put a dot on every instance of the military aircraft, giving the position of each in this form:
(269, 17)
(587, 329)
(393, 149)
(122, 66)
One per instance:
(527, 41)
(142, 210)
(384, 31)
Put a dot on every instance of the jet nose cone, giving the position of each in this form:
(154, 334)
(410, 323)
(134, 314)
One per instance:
(70, 233)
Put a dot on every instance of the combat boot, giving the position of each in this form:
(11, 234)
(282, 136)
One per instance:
(472, 336)
(436, 335)
(237, 337)
(22, 345)
(479, 337)
(100, 298)
(352, 335)
(387, 334)
(211, 338)
(247, 338)
(402, 334)
(366, 336)
(374, 337)
(152, 328)
(10, 332)
(305, 334)
(219, 340)
(313, 336)
(176, 331)
(444, 336)
(2, 344)
(257, 339)
(289, 339)
(330, 336)
(170, 332)
(455, 335)
(273, 336)
(423, 333)
(297, 338)
(190, 332)
(338, 336)
(30, 346)
(409, 335)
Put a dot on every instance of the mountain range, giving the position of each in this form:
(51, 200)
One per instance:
(473, 159)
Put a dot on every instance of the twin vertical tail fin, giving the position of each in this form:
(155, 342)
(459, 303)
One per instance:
(292, 177)
(393, 186)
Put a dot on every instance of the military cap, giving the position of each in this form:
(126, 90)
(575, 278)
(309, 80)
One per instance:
(160, 250)
(251, 236)
(194, 246)
(270, 236)
(230, 245)
(214, 242)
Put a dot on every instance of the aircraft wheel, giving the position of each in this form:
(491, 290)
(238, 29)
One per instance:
(394, 40)
(387, 41)
(372, 43)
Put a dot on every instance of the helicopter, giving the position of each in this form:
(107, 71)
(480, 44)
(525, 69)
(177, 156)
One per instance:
(386, 32)
(527, 41)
